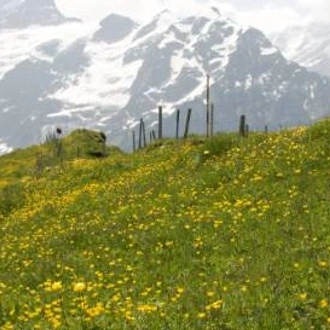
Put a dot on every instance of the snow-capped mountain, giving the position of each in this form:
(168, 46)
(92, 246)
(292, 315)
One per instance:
(108, 77)
(23, 13)
(308, 45)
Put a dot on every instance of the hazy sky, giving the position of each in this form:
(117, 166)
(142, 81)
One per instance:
(265, 14)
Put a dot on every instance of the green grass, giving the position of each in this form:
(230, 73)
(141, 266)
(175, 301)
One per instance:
(225, 233)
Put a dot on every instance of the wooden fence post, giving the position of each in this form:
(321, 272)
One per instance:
(144, 134)
(160, 122)
(177, 124)
(186, 131)
(242, 126)
(140, 134)
(208, 106)
(134, 141)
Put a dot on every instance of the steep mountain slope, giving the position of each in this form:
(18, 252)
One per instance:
(23, 13)
(107, 79)
(249, 75)
(308, 45)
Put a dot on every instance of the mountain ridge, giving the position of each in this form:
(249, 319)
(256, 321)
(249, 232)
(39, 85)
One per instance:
(308, 45)
(102, 80)
(19, 14)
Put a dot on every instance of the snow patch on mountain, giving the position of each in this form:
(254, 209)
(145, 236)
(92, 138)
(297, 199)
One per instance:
(31, 43)
(268, 51)
(106, 81)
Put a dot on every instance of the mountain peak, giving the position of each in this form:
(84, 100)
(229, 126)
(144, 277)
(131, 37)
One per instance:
(16, 14)
(209, 12)
(114, 28)
(114, 18)
(165, 17)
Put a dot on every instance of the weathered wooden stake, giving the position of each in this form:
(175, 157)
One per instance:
(177, 124)
(160, 122)
(144, 134)
(140, 134)
(134, 141)
(208, 105)
(186, 131)
(266, 129)
(242, 126)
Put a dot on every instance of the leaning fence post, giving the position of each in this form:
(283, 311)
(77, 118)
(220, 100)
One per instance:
(186, 131)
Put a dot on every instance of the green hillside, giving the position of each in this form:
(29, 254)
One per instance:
(225, 233)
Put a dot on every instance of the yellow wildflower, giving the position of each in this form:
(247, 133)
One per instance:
(79, 287)
(323, 303)
(56, 286)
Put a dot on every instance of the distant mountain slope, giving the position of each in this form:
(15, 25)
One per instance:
(23, 13)
(108, 80)
(307, 45)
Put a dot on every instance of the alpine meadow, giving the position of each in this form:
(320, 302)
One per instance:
(222, 233)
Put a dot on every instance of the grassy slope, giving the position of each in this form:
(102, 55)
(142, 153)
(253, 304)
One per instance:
(223, 234)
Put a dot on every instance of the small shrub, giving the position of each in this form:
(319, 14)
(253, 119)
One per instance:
(86, 143)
